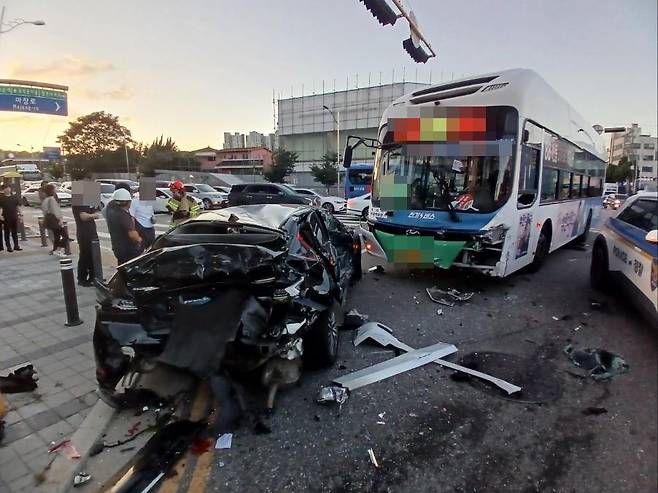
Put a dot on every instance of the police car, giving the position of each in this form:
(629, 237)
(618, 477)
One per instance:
(626, 252)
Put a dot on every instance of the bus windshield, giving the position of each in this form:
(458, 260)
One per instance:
(477, 182)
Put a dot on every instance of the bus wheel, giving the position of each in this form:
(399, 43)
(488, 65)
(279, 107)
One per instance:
(580, 240)
(599, 271)
(364, 213)
(543, 248)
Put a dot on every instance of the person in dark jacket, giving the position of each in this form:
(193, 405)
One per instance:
(10, 213)
(126, 242)
(85, 226)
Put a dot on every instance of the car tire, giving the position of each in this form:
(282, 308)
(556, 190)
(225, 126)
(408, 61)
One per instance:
(357, 268)
(599, 272)
(321, 341)
(542, 250)
(207, 205)
(364, 213)
(329, 207)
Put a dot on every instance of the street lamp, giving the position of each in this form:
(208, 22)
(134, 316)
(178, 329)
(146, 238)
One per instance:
(337, 125)
(16, 22)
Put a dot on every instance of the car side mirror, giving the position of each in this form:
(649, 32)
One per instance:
(652, 236)
(347, 156)
(526, 198)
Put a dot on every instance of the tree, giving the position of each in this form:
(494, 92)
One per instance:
(93, 134)
(326, 172)
(620, 172)
(164, 154)
(57, 171)
(283, 164)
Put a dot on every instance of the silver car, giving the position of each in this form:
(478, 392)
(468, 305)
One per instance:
(211, 198)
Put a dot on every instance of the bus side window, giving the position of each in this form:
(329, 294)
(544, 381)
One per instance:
(529, 174)
(549, 183)
(565, 185)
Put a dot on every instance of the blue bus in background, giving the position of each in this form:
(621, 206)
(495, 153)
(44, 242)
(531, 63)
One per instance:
(358, 180)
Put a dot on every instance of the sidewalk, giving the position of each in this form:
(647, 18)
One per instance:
(32, 318)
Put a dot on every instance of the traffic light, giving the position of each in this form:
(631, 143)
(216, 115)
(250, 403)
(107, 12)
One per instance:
(381, 11)
(417, 53)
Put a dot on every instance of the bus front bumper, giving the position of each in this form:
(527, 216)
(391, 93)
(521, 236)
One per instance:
(424, 251)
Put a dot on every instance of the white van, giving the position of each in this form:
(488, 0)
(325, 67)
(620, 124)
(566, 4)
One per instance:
(609, 188)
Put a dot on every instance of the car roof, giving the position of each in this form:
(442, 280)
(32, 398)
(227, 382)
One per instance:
(269, 215)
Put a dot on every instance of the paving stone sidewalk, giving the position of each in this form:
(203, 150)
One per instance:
(32, 329)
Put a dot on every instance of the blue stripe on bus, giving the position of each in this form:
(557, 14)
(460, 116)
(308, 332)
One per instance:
(634, 234)
(469, 222)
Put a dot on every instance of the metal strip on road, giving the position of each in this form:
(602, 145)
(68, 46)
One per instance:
(405, 362)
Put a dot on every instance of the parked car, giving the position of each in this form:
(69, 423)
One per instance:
(625, 253)
(225, 190)
(166, 192)
(240, 290)
(107, 189)
(211, 198)
(331, 203)
(614, 200)
(267, 193)
(160, 202)
(134, 186)
(30, 196)
(359, 205)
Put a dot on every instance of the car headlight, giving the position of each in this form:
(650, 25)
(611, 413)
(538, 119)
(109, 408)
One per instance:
(495, 235)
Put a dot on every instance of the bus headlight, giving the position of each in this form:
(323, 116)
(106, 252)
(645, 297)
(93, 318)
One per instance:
(495, 235)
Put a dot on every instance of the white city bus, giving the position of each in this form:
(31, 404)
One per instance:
(489, 173)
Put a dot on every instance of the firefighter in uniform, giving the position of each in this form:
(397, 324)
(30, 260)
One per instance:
(180, 205)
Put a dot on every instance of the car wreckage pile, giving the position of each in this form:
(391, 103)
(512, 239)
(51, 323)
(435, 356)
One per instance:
(245, 294)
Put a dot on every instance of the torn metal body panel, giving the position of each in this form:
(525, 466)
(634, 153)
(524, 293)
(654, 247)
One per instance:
(383, 336)
(405, 362)
(227, 291)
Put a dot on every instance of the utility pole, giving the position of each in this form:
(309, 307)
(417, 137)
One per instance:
(125, 147)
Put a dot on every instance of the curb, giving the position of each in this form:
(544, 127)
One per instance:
(60, 476)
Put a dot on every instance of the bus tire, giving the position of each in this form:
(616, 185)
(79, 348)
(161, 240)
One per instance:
(599, 271)
(364, 213)
(543, 248)
(582, 239)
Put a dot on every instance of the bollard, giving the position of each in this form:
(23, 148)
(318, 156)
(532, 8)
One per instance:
(97, 259)
(67, 242)
(42, 232)
(21, 226)
(70, 299)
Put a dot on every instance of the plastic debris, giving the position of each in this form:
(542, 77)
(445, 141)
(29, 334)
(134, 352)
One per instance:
(377, 268)
(373, 459)
(601, 364)
(80, 479)
(332, 393)
(555, 318)
(65, 447)
(577, 328)
(439, 311)
(438, 295)
(224, 441)
(353, 319)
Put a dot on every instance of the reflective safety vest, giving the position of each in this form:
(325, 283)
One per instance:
(173, 205)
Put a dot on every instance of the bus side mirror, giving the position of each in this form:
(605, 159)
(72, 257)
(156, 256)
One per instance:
(347, 156)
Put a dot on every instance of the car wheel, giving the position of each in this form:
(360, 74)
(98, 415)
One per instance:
(328, 207)
(542, 250)
(207, 204)
(357, 269)
(364, 213)
(321, 341)
(599, 272)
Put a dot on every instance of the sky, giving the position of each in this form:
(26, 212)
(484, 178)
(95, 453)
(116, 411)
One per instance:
(194, 69)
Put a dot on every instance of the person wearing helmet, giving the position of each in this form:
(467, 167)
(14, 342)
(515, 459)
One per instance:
(126, 242)
(180, 205)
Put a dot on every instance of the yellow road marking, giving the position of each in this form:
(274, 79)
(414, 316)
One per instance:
(197, 411)
(203, 466)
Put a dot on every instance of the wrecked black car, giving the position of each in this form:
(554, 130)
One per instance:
(233, 291)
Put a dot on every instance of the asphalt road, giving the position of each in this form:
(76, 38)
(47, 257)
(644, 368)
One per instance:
(439, 434)
(445, 435)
